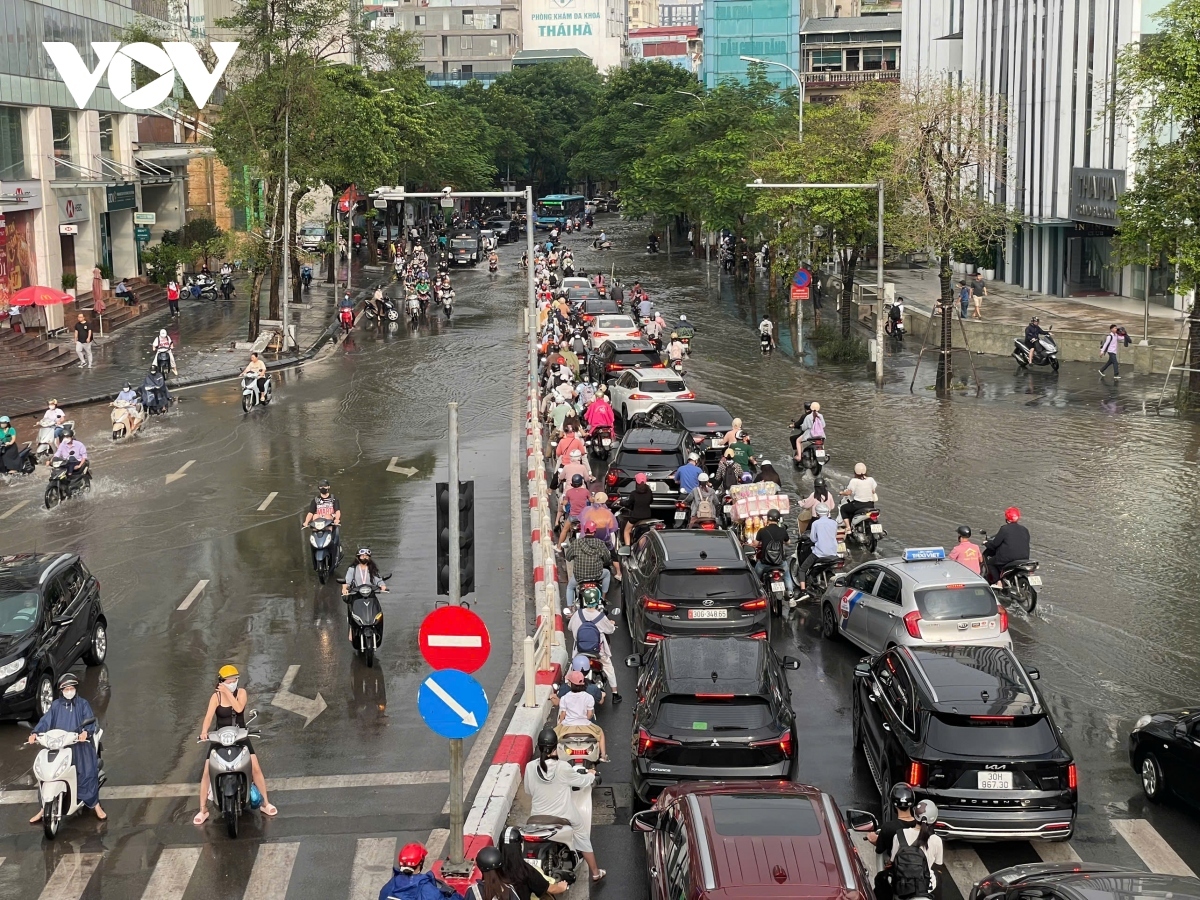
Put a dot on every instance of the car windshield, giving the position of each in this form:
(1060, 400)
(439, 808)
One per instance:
(464, 243)
(1024, 737)
(969, 602)
(679, 714)
(753, 815)
(649, 459)
(18, 611)
(686, 584)
(660, 386)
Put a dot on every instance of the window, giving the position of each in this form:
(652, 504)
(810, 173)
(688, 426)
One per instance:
(61, 124)
(465, 42)
(825, 61)
(879, 58)
(753, 815)
(678, 880)
(494, 47)
(468, 18)
(972, 602)
(56, 598)
(108, 124)
(12, 145)
(73, 580)
(863, 579)
(889, 588)
(852, 64)
(419, 20)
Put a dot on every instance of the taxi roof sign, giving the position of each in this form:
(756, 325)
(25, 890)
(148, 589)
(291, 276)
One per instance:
(919, 554)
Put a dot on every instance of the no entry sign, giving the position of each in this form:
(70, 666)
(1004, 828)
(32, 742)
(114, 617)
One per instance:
(453, 637)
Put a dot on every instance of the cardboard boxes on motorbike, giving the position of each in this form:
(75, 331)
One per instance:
(756, 500)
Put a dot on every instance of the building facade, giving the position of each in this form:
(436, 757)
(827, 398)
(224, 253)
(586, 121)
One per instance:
(643, 14)
(681, 46)
(672, 15)
(1067, 154)
(597, 28)
(767, 29)
(837, 54)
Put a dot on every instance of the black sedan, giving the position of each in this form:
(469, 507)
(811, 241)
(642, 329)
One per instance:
(1164, 749)
(1082, 881)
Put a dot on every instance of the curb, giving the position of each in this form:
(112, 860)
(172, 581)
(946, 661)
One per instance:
(488, 814)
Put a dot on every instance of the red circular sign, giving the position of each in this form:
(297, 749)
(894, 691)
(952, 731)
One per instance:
(453, 637)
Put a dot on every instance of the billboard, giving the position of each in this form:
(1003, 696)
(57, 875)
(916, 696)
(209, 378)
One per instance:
(593, 26)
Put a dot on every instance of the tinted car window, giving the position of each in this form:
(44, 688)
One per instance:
(56, 600)
(684, 716)
(889, 588)
(969, 602)
(634, 459)
(635, 357)
(661, 386)
(687, 585)
(863, 579)
(1023, 737)
(73, 580)
(737, 815)
(698, 659)
(18, 612)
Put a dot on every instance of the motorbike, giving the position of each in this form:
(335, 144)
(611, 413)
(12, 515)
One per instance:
(19, 460)
(306, 276)
(823, 569)
(894, 323)
(600, 442)
(127, 417)
(764, 343)
(1017, 582)
(544, 839)
(63, 486)
(366, 621)
(414, 309)
(57, 778)
(230, 772)
(325, 555)
(448, 303)
(576, 746)
(203, 288)
(1045, 352)
(162, 359)
(154, 401)
(813, 456)
(227, 286)
(686, 340)
(865, 529)
(598, 244)
(47, 442)
(652, 246)
(346, 319)
(677, 366)
(251, 396)
(389, 311)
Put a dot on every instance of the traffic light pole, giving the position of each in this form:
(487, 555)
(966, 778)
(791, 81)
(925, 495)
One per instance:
(456, 744)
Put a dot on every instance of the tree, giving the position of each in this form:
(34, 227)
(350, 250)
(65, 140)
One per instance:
(946, 140)
(1159, 95)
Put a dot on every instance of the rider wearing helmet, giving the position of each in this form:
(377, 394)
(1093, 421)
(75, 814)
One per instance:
(410, 882)
(326, 506)
(549, 782)
(164, 342)
(127, 394)
(1033, 331)
(574, 499)
(1008, 545)
(69, 713)
(966, 551)
(591, 558)
(903, 798)
(824, 534)
(920, 834)
(494, 883)
(590, 613)
(684, 328)
(676, 348)
(812, 425)
(526, 878)
(771, 549)
(862, 491)
(364, 571)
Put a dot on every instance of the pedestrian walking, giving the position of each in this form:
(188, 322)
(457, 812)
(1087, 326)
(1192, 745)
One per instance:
(964, 297)
(978, 292)
(83, 342)
(1112, 343)
(173, 297)
(97, 285)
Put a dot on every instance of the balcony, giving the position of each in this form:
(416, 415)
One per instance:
(458, 79)
(849, 79)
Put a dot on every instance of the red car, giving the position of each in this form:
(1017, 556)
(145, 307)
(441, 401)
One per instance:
(752, 839)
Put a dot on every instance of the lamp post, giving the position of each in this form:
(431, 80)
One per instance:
(697, 96)
(795, 74)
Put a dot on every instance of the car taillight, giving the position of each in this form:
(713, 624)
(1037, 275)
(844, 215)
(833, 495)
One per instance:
(611, 479)
(1000, 720)
(649, 450)
(532, 839)
(708, 526)
(653, 605)
(714, 696)
(1072, 777)
(597, 334)
(657, 365)
(916, 774)
(912, 621)
(760, 603)
(874, 515)
(680, 505)
(758, 636)
(639, 397)
(1003, 617)
(784, 743)
(708, 568)
(635, 334)
(613, 367)
(646, 743)
(653, 637)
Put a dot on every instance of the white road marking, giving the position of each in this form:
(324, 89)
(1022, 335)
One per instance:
(171, 874)
(195, 592)
(1147, 843)
(292, 783)
(272, 871)
(296, 703)
(455, 640)
(372, 867)
(71, 877)
(180, 472)
(14, 509)
(271, 496)
(401, 470)
(437, 842)
(1055, 852)
(965, 867)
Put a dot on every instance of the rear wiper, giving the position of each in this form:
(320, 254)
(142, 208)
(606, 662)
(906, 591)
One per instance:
(721, 594)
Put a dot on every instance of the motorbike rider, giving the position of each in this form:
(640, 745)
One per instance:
(127, 394)
(729, 472)
(326, 506)
(820, 494)
(684, 328)
(966, 552)
(919, 834)
(903, 798)
(589, 613)
(1033, 331)
(164, 342)
(1008, 545)
(364, 571)
(574, 499)
(258, 368)
(8, 434)
(549, 782)
(731, 435)
(767, 327)
(862, 490)
(68, 712)
(824, 533)
(811, 426)
(227, 707)
(675, 349)
(577, 711)
(592, 558)
(702, 493)
(770, 545)
(527, 881)
(688, 475)
(53, 416)
(637, 505)
(411, 882)
(376, 302)
(570, 441)
(72, 451)
(743, 452)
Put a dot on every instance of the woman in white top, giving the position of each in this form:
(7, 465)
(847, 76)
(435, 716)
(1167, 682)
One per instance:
(862, 491)
(549, 782)
(921, 836)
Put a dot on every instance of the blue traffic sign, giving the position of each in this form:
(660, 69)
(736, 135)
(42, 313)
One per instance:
(452, 703)
(802, 278)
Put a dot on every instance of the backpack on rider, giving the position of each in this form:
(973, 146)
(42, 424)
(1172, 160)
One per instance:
(705, 511)
(910, 871)
(773, 553)
(587, 637)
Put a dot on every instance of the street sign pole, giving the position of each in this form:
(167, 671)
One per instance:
(456, 744)
(531, 315)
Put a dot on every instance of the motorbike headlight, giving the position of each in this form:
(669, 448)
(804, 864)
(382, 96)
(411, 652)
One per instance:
(1142, 722)
(12, 668)
(61, 765)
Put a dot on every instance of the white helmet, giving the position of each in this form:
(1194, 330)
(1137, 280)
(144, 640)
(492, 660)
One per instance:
(821, 510)
(683, 317)
(860, 468)
(926, 812)
(162, 332)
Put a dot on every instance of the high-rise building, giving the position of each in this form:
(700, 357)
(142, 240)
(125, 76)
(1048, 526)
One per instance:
(595, 28)
(643, 14)
(676, 14)
(766, 29)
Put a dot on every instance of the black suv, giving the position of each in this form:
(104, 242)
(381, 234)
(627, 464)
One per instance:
(658, 454)
(50, 616)
(506, 230)
(711, 709)
(614, 357)
(691, 582)
(964, 726)
(1082, 881)
(706, 423)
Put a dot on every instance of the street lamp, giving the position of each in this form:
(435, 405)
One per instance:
(795, 74)
(690, 94)
(642, 105)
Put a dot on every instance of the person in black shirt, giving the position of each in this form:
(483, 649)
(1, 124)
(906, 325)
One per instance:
(1006, 546)
(902, 799)
(1033, 331)
(525, 879)
(773, 538)
(83, 342)
(638, 504)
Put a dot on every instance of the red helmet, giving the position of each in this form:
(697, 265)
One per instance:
(412, 856)
(1012, 514)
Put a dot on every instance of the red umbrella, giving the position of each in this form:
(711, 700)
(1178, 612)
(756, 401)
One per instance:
(39, 295)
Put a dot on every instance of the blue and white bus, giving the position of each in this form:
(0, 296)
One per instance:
(553, 207)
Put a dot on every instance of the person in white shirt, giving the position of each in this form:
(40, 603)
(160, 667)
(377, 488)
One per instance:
(577, 711)
(921, 836)
(862, 491)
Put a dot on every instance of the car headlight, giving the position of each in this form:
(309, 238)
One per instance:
(12, 668)
(1142, 722)
(16, 687)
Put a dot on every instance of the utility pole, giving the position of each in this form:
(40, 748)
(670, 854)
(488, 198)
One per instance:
(531, 315)
(456, 744)
(879, 290)
(287, 226)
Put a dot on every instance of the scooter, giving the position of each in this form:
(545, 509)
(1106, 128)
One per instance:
(546, 839)
(600, 442)
(677, 366)
(346, 319)
(576, 746)
(251, 396)
(203, 288)
(865, 529)
(894, 324)
(127, 417)
(598, 244)
(1017, 582)
(325, 556)
(764, 343)
(19, 460)
(493, 265)
(162, 359)
(57, 778)
(306, 276)
(390, 312)
(414, 309)
(63, 486)
(823, 569)
(365, 616)
(813, 456)
(47, 441)
(227, 287)
(230, 773)
(1045, 352)
(448, 303)
(652, 246)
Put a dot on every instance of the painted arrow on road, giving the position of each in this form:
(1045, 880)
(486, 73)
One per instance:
(402, 470)
(175, 476)
(468, 718)
(296, 703)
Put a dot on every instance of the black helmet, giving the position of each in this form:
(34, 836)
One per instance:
(964, 530)
(774, 515)
(547, 740)
(68, 431)
(128, 386)
(68, 680)
(577, 480)
(819, 484)
(903, 796)
(323, 485)
(489, 859)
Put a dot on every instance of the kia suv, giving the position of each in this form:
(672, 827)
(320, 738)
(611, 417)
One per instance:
(658, 454)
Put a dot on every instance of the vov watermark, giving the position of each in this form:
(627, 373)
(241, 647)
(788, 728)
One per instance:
(173, 57)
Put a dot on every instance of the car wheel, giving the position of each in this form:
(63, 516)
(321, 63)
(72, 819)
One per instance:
(98, 647)
(45, 694)
(828, 622)
(1154, 784)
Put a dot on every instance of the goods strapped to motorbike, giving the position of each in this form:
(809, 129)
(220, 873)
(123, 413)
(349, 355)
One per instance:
(750, 504)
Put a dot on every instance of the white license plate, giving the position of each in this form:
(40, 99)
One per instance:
(606, 442)
(841, 546)
(716, 443)
(1035, 580)
(657, 486)
(995, 781)
(820, 454)
(708, 614)
(727, 508)
(876, 528)
(680, 515)
(777, 587)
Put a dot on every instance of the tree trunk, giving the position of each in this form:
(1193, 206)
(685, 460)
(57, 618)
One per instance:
(293, 212)
(772, 286)
(1194, 337)
(372, 250)
(945, 368)
(256, 280)
(849, 265)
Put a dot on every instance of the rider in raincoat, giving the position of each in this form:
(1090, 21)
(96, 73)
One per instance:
(69, 713)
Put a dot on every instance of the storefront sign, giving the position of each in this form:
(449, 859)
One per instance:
(68, 229)
(120, 196)
(21, 195)
(72, 209)
(574, 25)
(1095, 195)
(141, 233)
(142, 218)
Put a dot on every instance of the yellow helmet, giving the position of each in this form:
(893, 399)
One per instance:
(227, 672)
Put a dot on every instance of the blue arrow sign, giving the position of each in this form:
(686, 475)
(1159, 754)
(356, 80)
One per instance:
(452, 703)
(802, 278)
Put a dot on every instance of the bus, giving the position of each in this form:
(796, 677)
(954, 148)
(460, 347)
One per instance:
(553, 207)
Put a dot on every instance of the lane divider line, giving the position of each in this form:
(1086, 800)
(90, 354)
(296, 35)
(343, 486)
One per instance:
(14, 509)
(271, 496)
(195, 592)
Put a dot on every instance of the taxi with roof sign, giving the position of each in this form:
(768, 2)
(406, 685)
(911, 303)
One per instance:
(916, 599)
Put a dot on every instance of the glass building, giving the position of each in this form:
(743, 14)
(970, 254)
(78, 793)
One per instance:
(768, 29)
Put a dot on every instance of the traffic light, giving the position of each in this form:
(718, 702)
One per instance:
(466, 536)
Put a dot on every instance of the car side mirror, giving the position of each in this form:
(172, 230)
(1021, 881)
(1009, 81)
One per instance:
(634, 661)
(862, 670)
(623, 551)
(647, 821)
(1181, 729)
(861, 820)
(615, 611)
(1033, 674)
(790, 662)
(838, 580)
(61, 621)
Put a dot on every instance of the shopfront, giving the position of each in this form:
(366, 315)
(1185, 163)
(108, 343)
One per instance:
(117, 245)
(74, 247)
(19, 210)
(1095, 196)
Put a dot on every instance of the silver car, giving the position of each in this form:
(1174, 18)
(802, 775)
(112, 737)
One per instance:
(919, 598)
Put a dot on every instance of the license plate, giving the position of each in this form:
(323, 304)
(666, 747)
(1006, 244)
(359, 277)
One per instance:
(680, 515)
(727, 508)
(876, 528)
(708, 614)
(777, 587)
(716, 443)
(1035, 580)
(657, 486)
(995, 781)
(606, 442)
(841, 547)
(820, 454)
